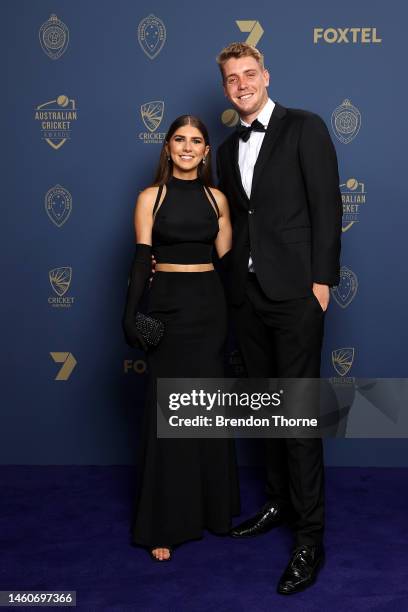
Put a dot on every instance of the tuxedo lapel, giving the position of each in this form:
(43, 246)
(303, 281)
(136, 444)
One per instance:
(234, 151)
(272, 133)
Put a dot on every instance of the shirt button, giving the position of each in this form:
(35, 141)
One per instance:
(251, 211)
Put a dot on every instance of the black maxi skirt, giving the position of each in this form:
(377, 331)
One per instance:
(185, 485)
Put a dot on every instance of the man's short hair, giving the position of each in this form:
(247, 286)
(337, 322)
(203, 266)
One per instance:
(237, 50)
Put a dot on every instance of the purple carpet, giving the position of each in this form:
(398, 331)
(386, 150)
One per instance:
(67, 528)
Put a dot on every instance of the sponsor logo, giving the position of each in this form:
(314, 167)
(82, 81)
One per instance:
(68, 364)
(346, 35)
(254, 28)
(138, 366)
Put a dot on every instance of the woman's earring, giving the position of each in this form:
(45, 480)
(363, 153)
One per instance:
(203, 161)
(168, 158)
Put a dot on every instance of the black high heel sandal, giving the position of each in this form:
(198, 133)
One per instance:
(169, 548)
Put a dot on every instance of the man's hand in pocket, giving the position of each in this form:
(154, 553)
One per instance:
(322, 294)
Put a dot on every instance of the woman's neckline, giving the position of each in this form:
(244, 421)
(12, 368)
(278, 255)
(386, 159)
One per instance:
(184, 182)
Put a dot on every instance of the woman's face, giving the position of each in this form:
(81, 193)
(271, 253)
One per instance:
(187, 148)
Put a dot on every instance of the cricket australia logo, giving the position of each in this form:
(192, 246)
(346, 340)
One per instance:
(60, 280)
(152, 116)
(342, 360)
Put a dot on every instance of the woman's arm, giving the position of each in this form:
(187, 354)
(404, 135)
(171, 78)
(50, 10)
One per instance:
(143, 216)
(223, 242)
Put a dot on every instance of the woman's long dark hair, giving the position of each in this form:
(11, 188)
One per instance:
(165, 168)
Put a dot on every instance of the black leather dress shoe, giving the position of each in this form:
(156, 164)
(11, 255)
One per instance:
(267, 518)
(302, 569)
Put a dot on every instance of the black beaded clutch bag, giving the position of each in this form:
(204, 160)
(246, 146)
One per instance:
(150, 329)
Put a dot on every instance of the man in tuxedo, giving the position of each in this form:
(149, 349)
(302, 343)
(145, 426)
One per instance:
(279, 173)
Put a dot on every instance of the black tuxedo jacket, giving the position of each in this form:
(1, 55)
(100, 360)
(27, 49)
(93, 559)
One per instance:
(291, 225)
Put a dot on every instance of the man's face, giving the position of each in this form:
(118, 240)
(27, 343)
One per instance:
(245, 85)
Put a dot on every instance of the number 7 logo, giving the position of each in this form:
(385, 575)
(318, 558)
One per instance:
(254, 28)
(69, 362)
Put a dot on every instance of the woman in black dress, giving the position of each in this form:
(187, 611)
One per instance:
(186, 485)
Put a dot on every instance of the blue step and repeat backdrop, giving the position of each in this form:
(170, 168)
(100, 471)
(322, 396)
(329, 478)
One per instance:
(91, 88)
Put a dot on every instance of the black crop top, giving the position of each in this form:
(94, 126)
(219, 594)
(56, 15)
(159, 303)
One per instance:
(186, 224)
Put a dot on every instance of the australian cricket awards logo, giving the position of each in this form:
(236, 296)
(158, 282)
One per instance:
(353, 195)
(345, 292)
(342, 360)
(346, 122)
(60, 279)
(230, 117)
(152, 115)
(151, 34)
(58, 205)
(56, 118)
(54, 37)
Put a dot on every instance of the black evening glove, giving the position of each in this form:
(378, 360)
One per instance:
(225, 262)
(224, 270)
(140, 272)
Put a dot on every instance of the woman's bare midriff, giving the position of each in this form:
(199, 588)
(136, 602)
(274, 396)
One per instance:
(170, 267)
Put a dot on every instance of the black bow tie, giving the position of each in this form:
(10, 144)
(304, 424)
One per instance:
(244, 132)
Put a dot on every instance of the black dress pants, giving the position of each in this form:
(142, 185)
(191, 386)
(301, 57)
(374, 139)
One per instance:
(284, 339)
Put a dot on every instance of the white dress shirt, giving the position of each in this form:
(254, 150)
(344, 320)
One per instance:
(249, 151)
